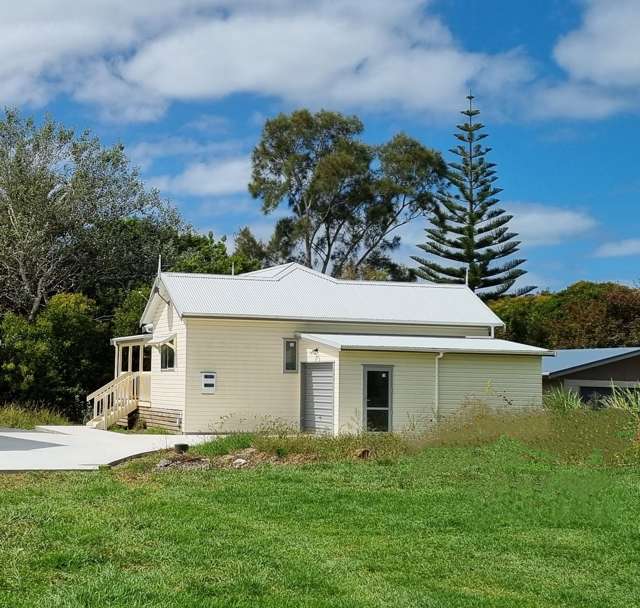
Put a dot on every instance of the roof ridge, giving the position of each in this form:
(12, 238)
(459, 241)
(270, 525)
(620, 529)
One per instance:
(294, 266)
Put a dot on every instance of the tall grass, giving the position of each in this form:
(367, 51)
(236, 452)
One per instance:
(579, 436)
(559, 399)
(565, 430)
(28, 416)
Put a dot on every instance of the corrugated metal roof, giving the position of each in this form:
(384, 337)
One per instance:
(569, 359)
(424, 344)
(292, 291)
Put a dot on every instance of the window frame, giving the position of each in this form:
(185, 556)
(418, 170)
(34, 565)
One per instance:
(171, 345)
(285, 342)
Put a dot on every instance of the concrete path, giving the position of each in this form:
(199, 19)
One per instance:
(76, 448)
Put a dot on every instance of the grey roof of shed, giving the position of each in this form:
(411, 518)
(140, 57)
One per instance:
(292, 291)
(575, 359)
(429, 344)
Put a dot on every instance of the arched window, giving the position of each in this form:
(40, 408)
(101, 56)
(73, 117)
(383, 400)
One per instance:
(168, 355)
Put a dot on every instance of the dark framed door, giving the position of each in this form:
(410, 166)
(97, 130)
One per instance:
(377, 398)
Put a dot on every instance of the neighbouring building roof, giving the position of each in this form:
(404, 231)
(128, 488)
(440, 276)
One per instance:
(575, 359)
(292, 291)
(424, 344)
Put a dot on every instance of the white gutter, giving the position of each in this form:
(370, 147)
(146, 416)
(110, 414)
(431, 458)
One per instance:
(436, 390)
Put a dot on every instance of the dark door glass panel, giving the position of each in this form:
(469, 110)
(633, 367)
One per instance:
(378, 421)
(377, 388)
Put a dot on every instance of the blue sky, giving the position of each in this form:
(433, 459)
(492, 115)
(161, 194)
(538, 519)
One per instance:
(187, 84)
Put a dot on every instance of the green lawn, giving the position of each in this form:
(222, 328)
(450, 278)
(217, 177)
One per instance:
(499, 525)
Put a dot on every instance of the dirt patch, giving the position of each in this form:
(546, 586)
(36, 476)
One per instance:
(184, 462)
(251, 457)
(248, 458)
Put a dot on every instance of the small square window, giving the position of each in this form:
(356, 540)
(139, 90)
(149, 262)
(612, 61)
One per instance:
(290, 355)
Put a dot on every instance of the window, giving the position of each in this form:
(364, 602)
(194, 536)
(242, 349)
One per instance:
(168, 356)
(146, 359)
(124, 359)
(135, 358)
(290, 355)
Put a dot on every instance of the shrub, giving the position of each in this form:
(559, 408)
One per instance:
(560, 400)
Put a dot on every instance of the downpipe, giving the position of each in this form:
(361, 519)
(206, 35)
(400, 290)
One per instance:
(436, 384)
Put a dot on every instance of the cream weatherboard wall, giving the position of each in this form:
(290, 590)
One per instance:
(168, 386)
(464, 379)
(251, 388)
(496, 380)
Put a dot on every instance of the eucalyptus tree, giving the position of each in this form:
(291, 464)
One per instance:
(346, 199)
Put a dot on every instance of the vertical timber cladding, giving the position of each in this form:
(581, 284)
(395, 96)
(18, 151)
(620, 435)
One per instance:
(317, 397)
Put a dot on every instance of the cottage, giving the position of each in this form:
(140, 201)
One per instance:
(593, 372)
(226, 353)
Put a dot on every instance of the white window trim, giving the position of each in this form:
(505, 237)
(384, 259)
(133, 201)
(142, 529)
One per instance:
(284, 356)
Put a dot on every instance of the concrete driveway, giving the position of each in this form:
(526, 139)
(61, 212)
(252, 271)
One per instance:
(76, 448)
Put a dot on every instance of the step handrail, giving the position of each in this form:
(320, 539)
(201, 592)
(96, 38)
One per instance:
(107, 386)
(115, 399)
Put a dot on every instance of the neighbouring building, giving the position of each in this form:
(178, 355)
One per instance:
(593, 372)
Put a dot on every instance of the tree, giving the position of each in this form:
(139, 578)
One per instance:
(202, 253)
(60, 197)
(248, 246)
(584, 315)
(57, 359)
(467, 227)
(122, 254)
(346, 198)
(126, 317)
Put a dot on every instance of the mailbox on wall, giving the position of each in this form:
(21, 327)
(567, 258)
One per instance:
(208, 382)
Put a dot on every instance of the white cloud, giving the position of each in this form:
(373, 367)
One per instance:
(602, 61)
(374, 54)
(213, 178)
(606, 47)
(132, 59)
(619, 249)
(577, 101)
(538, 224)
(145, 153)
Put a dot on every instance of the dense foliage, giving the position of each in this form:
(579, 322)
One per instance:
(581, 316)
(467, 226)
(58, 358)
